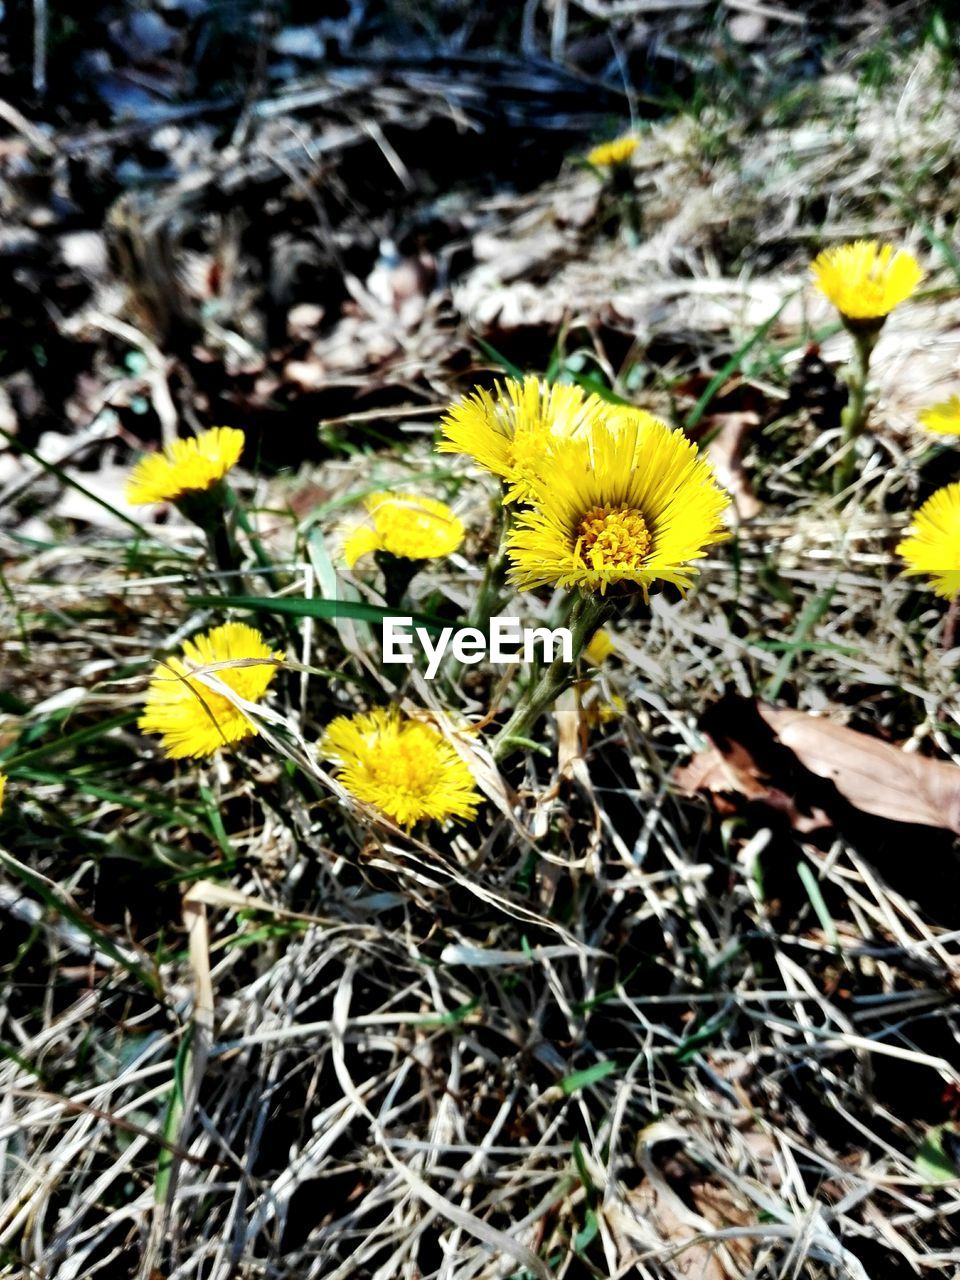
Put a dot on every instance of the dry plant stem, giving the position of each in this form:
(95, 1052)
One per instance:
(588, 615)
(854, 416)
(951, 625)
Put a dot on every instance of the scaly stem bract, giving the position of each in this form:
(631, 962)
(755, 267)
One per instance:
(490, 596)
(854, 417)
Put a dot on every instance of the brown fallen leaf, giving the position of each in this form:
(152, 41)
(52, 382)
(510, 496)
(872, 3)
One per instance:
(730, 770)
(874, 776)
(659, 1222)
(775, 756)
(725, 451)
(674, 1211)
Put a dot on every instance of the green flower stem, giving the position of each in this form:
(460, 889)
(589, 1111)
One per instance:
(854, 417)
(210, 511)
(237, 512)
(490, 596)
(623, 185)
(224, 550)
(588, 614)
(218, 513)
(398, 572)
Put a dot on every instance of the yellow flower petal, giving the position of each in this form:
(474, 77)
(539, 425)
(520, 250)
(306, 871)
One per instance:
(620, 506)
(193, 719)
(611, 154)
(932, 547)
(865, 280)
(3, 785)
(943, 418)
(406, 525)
(362, 541)
(508, 431)
(599, 648)
(185, 466)
(402, 767)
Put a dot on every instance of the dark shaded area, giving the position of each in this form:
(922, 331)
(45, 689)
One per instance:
(228, 178)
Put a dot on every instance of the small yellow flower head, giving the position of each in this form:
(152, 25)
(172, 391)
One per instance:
(619, 507)
(865, 280)
(944, 418)
(932, 546)
(402, 767)
(3, 785)
(185, 466)
(599, 648)
(597, 710)
(194, 719)
(404, 524)
(608, 155)
(509, 431)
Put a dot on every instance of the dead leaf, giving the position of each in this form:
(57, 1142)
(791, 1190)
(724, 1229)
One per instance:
(733, 772)
(774, 755)
(725, 451)
(874, 776)
(567, 713)
(665, 1217)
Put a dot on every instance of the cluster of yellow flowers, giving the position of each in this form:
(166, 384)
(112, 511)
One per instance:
(185, 468)
(604, 499)
(404, 525)
(601, 500)
(184, 704)
(207, 697)
(612, 499)
(865, 281)
(932, 545)
(405, 768)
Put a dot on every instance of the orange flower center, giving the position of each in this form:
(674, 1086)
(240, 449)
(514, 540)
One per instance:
(613, 538)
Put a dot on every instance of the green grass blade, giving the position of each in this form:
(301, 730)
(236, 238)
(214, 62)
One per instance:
(12, 762)
(732, 365)
(808, 619)
(590, 1075)
(817, 901)
(52, 469)
(507, 365)
(298, 607)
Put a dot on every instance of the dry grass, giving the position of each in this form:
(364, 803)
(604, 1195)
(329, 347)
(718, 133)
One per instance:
(247, 1031)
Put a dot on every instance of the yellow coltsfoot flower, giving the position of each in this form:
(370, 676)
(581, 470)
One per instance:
(405, 525)
(932, 545)
(508, 431)
(193, 718)
(618, 507)
(185, 467)
(944, 418)
(403, 767)
(607, 155)
(865, 280)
